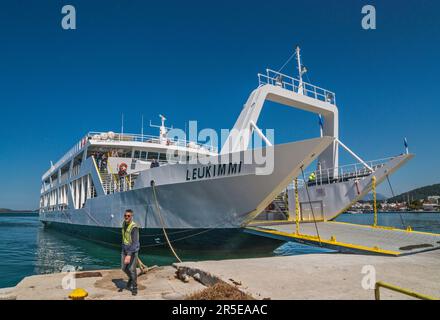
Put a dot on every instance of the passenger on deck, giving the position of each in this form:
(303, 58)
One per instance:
(122, 173)
(98, 158)
(103, 163)
(279, 80)
(154, 164)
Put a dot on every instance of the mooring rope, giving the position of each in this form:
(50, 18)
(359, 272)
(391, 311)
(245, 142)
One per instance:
(311, 207)
(153, 185)
(214, 227)
(392, 192)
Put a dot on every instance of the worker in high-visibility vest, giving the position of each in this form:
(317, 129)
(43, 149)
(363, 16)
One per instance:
(312, 177)
(130, 249)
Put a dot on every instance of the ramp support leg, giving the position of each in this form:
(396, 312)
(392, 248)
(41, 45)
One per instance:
(374, 201)
(296, 206)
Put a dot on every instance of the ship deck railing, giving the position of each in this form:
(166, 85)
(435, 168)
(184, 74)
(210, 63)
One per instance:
(293, 84)
(341, 173)
(112, 182)
(115, 137)
(68, 155)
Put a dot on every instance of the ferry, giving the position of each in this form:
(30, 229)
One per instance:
(208, 204)
(203, 204)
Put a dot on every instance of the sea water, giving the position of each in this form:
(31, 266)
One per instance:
(27, 248)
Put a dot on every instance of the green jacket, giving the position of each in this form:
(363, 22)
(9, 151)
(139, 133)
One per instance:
(130, 238)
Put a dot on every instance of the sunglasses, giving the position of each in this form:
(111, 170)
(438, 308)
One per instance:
(127, 215)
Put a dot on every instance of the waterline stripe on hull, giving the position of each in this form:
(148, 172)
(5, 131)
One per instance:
(202, 239)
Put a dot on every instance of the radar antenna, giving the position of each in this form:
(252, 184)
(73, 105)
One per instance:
(162, 128)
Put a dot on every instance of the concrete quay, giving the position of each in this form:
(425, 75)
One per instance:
(158, 284)
(325, 276)
(311, 276)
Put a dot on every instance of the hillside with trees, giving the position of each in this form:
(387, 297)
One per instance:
(4, 210)
(417, 194)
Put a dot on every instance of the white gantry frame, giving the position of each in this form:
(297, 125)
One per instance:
(285, 90)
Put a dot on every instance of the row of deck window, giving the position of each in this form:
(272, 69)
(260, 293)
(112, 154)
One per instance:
(81, 189)
(161, 157)
(145, 155)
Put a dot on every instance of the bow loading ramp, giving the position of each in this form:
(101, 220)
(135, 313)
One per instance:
(350, 238)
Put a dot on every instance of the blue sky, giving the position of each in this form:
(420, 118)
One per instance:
(198, 60)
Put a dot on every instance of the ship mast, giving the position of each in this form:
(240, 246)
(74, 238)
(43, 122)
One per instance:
(163, 129)
(301, 70)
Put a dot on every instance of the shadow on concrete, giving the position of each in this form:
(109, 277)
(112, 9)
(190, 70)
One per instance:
(120, 283)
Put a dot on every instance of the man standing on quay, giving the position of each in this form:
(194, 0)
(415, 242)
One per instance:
(130, 249)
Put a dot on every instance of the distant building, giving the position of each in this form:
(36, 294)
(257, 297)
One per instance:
(434, 199)
(430, 207)
(432, 203)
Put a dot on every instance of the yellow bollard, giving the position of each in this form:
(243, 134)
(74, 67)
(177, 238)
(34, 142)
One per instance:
(296, 206)
(374, 201)
(78, 294)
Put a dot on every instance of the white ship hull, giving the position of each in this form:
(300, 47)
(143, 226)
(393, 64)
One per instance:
(220, 202)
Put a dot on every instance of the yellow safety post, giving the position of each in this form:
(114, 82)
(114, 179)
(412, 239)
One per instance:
(289, 212)
(296, 206)
(374, 201)
(286, 204)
